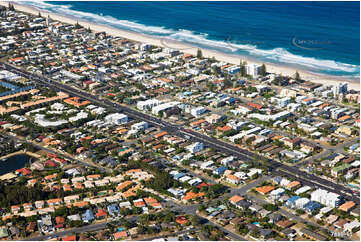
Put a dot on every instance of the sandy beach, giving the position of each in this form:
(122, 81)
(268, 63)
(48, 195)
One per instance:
(234, 59)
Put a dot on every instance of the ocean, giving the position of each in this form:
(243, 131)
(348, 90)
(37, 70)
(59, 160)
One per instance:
(321, 37)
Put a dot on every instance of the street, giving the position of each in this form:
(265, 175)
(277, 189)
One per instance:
(241, 154)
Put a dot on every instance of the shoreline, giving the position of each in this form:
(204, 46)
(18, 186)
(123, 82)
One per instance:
(190, 49)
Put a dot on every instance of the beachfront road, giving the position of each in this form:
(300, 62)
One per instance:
(242, 154)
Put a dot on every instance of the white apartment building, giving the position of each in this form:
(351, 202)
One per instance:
(253, 69)
(326, 198)
(300, 203)
(148, 104)
(195, 147)
(116, 118)
(196, 112)
(340, 88)
(140, 126)
(163, 107)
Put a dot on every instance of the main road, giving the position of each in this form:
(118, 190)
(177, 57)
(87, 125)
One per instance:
(242, 154)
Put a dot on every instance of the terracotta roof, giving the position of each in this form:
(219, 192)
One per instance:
(123, 185)
(95, 176)
(181, 219)
(120, 234)
(51, 177)
(59, 220)
(344, 118)
(161, 134)
(284, 223)
(132, 171)
(265, 189)
(197, 122)
(277, 137)
(128, 193)
(81, 204)
(255, 105)
(69, 238)
(101, 213)
(139, 204)
(236, 199)
(55, 200)
(233, 177)
(347, 206)
(150, 200)
(192, 195)
(293, 184)
(224, 128)
(76, 101)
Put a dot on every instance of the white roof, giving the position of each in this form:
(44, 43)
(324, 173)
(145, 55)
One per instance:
(325, 210)
(185, 178)
(302, 190)
(277, 191)
(352, 225)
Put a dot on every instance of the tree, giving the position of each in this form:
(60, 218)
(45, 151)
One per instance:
(270, 207)
(227, 82)
(263, 70)
(297, 76)
(11, 7)
(195, 220)
(39, 14)
(199, 54)
(242, 66)
(77, 25)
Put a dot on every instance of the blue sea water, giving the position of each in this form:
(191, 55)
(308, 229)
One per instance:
(322, 37)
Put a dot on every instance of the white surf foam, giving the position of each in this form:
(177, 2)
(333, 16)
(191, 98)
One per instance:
(280, 55)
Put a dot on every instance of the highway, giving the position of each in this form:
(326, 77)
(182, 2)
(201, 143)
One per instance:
(242, 154)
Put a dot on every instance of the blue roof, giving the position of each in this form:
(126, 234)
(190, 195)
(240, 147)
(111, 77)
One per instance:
(312, 205)
(354, 146)
(215, 213)
(13, 91)
(8, 85)
(179, 175)
(176, 157)
(112, 208)
(221, 169)
(88, 215)
(332, 156)
(277, 179)
(293, 199)
(231, 99)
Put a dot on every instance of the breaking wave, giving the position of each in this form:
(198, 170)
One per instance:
(276, 55)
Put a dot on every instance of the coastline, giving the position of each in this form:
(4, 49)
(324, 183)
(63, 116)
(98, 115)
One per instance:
(186, 48)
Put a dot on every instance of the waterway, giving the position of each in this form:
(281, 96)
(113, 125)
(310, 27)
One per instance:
(13, 163)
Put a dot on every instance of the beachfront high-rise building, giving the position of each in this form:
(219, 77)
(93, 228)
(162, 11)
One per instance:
(253, 69)
(340, 88)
